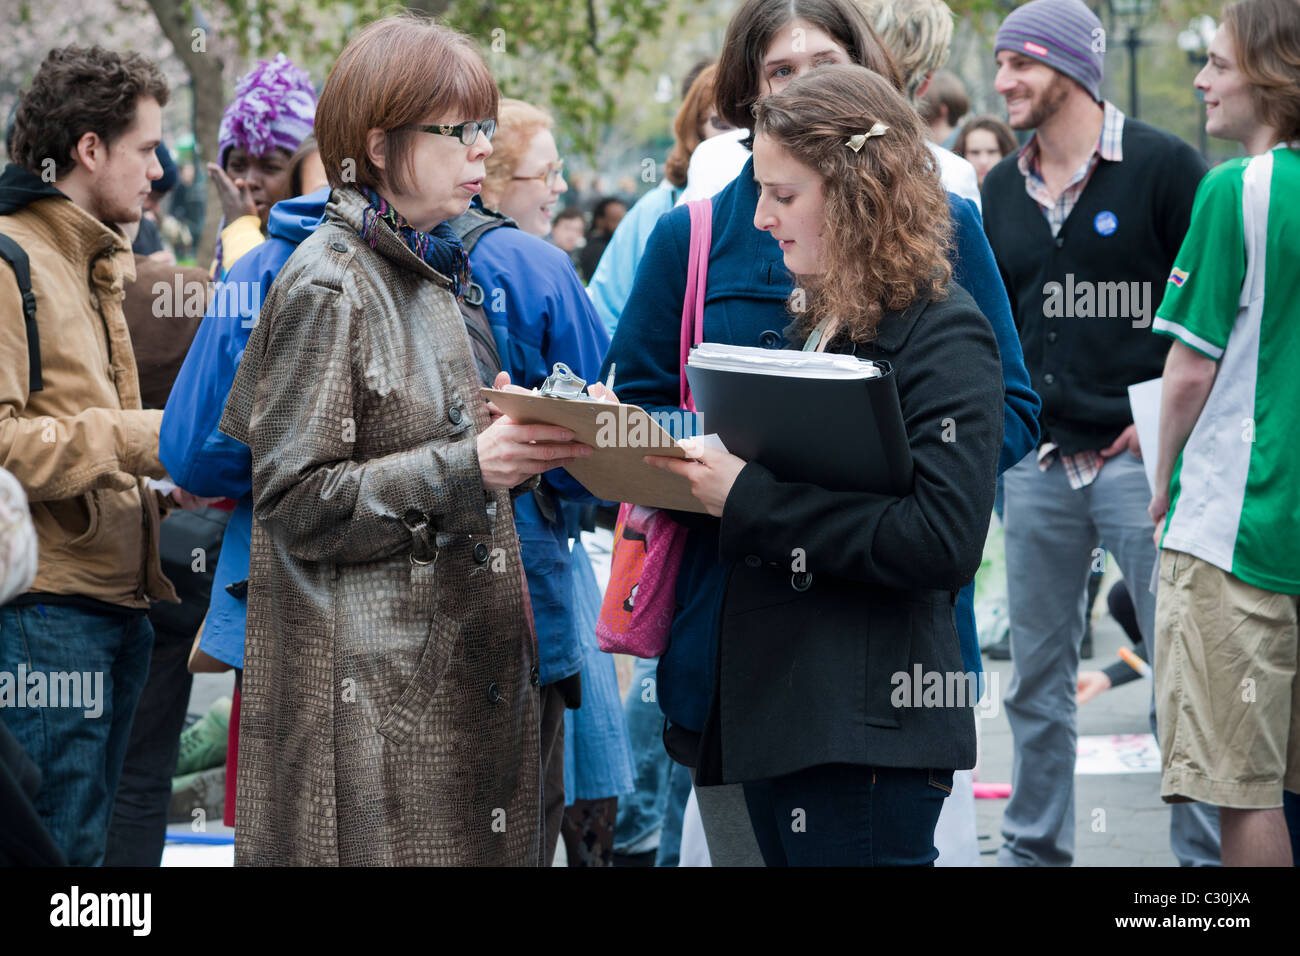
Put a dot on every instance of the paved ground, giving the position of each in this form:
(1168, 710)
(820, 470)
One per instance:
(1136, 821)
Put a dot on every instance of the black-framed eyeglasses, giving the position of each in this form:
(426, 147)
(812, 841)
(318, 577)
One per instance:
(550, 177)
(467, 132)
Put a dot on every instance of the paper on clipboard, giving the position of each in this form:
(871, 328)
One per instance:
(620, 437)
(1144, 399)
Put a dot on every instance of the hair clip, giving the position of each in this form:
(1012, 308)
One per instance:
(856, 141)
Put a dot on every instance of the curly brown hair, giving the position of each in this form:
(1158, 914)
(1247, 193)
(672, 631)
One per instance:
(694, 111)
(888, 229)
(80, 90)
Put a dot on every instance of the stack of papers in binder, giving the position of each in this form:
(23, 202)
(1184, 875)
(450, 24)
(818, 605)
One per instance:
(747, 358)
(824, 418)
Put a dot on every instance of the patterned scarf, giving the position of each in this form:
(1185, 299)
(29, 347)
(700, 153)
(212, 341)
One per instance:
(441, 249)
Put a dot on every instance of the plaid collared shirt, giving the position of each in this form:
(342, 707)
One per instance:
(1057, 208)
(1081, 468)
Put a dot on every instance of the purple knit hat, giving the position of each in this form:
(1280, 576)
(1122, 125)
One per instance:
(1064, 34)
(274, 106)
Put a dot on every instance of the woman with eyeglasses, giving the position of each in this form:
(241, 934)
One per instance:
(525, 175)
(540, 315)
(390, 702)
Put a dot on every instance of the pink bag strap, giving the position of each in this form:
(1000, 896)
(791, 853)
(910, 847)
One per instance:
(697, 274)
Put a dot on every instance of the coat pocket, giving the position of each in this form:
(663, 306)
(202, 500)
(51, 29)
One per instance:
(78, 518)
(404, 716)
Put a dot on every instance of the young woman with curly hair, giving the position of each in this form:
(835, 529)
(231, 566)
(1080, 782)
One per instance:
(843, 760)
(769, 44)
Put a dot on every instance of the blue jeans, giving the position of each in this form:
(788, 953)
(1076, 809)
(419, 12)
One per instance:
(79, 749)
(847, 815)
(650, 817)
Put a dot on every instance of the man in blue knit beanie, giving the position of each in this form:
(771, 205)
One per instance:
(1085, 221)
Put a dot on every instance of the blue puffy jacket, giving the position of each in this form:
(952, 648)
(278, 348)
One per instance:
(200, 458)
(540, 315)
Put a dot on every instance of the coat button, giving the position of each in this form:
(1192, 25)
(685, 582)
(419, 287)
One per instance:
(494, 692)
(753, 561)
(534, 676)
(801, 580)
(1060, 242)
(481, 553)
(770, 339)
(338, 246)
(1049, 379)
(453, 414)
(1051, 336)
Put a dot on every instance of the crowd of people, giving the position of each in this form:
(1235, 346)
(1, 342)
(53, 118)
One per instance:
(279, 464)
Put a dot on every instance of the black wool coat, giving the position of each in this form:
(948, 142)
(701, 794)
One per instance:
(818, 665)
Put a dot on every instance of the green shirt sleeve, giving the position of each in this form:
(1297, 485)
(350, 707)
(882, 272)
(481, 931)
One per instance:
(1203, 292)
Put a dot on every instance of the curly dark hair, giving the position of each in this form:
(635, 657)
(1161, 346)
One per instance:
(80, 90)
(888, 230)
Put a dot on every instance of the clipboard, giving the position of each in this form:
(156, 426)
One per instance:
(620, 437)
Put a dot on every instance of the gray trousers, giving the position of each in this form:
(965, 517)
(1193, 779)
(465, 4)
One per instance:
(1053, 536)
(727, 829)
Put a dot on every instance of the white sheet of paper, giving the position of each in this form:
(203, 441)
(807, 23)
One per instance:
(1144, 399)
(712, 440)
(1118, 753)
(164, 486)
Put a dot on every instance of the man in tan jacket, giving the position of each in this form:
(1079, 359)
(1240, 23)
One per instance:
(74, 649)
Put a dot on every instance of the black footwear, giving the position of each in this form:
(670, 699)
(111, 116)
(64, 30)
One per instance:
(1001, 651)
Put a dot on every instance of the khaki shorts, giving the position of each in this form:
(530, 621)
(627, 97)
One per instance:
(1227, 697)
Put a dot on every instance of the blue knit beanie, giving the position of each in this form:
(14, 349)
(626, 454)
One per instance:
(1064, 34)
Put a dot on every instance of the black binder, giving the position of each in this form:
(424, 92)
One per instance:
(839, 434)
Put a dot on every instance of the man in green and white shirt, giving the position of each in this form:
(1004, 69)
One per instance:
(1227, 507)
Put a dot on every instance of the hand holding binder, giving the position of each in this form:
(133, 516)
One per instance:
(830, 420)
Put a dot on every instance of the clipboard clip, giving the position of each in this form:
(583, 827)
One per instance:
(562, 383)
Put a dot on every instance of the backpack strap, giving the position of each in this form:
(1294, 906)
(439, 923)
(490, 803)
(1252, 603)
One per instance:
(470, 225)
(13, 254)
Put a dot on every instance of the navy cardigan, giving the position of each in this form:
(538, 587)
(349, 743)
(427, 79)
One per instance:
(748, 285)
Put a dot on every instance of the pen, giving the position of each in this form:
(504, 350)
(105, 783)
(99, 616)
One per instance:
(609, 382)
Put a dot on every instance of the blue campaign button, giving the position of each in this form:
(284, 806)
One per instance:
(1105, 223)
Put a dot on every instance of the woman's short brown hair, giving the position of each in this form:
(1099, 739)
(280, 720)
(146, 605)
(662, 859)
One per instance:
(1266, 40)
(694, 111)
(80, 90)
(517, 123)
(750, 32)
(397, 72)
(991, 124)
(888, 229)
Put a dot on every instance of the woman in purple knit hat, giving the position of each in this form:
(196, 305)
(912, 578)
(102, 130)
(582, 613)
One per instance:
(272, 113)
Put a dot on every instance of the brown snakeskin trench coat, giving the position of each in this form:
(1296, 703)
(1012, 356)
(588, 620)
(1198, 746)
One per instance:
(390, 701)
